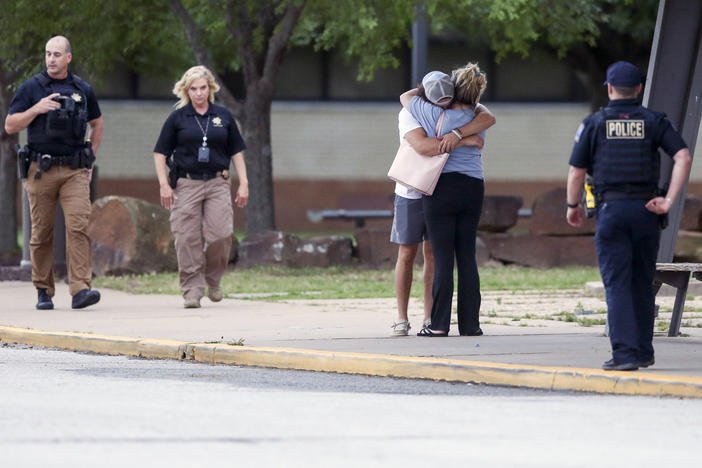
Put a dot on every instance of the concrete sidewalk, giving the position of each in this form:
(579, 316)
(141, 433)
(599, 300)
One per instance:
(347, 336)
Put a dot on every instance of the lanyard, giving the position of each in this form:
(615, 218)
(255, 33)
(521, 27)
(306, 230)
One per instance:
(204, 132)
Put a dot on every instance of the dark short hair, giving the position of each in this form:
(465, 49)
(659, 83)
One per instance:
(625, 90)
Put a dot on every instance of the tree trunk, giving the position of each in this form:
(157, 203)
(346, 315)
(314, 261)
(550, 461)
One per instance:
(256, 130)
(8, 187)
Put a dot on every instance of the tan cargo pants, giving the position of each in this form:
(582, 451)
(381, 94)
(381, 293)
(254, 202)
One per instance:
(72, 188)
(202, 223)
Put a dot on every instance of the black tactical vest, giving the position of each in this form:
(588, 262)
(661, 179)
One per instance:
(67, 125)
(626, 158)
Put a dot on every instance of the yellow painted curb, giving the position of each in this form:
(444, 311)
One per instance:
(551, 378)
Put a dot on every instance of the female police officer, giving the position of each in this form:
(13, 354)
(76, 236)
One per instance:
(201, 137)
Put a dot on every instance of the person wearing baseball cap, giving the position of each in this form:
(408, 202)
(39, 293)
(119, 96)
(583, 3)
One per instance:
(623, 74)
(409, 228)
(618, 147)
(438, 88)
(452, 211)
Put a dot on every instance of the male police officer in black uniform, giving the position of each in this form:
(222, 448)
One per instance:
(618, 146)
(56, 107)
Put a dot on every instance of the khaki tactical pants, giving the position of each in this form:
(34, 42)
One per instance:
(202, 223)
(72, 188)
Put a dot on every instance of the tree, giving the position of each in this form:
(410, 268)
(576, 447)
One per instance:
(101, 33)
(253, 36)
(587, 34)
(261, 32)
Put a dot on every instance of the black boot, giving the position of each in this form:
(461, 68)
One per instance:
(44, 302)
(85, 298)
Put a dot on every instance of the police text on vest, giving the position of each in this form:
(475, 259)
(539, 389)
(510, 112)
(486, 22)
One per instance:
(631, 129)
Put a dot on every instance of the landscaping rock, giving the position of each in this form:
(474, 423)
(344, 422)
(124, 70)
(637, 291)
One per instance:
(268, 248)
(130, 236)
(500, 212)
(324, 251)
(482, 253)
(374, 247)
(15, 273)
(688, 247)
(548, 216)
(690, 220)
(542, 251)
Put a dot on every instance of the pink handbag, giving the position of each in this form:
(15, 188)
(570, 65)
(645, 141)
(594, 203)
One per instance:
(415, 171)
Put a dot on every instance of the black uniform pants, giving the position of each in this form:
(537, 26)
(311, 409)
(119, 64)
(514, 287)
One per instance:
(452, 214)
(627, 245)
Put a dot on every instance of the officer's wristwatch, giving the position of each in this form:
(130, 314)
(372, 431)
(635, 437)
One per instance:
(572, 205)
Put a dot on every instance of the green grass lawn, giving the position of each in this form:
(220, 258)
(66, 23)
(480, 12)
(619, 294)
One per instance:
(273, 283)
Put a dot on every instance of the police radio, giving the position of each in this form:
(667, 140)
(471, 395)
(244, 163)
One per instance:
(589, 198)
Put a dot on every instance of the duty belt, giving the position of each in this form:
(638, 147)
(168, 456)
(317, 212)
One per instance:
(60, 160)
(612, 195)
(205, 175)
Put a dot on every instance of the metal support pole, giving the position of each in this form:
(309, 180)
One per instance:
(674, 86)
(420, 34)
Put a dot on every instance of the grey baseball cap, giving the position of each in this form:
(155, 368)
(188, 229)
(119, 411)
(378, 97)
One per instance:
(437, 86)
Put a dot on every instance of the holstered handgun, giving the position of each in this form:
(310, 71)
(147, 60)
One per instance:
(87, 157)
(172, 172)
(23, 161)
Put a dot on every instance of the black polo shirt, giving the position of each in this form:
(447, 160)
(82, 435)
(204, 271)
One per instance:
(665, 135)
(30, 92)
(182, 136)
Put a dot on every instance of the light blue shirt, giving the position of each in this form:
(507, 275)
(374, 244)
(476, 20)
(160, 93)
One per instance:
(465, 159)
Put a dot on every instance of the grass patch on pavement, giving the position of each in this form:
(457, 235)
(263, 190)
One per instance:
(275, 283)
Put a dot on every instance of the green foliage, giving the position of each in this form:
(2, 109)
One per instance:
(370, 31)
(139, 34)
(517, 26)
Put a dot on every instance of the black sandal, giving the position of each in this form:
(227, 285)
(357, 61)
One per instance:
(427, 332)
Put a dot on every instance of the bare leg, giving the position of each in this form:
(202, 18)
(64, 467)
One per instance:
(403, 277)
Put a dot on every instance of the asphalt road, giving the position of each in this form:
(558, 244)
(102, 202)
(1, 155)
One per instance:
(62, 408)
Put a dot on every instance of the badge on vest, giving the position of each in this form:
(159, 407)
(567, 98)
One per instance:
(626, 129)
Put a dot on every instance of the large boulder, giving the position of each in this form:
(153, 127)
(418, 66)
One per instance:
(548, 216)
(692, 209)
(324, 251)
(268, 248)
(374, 247)
(285, 249)
(130, 236)
(500, 212)
(482, 253)
(542, 251)
(688, 247)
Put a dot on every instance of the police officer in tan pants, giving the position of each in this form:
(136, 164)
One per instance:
(56, 107)
(198, 142)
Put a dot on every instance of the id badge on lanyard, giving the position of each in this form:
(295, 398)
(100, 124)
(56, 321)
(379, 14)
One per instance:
(203, 154)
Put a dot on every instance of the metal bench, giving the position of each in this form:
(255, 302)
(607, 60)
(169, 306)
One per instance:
(678, 276)
(358, 216)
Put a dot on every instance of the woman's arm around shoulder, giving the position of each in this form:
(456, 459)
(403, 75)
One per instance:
(407, 96)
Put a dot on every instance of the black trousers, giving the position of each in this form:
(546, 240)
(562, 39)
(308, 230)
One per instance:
(627, 241)
(452, 214)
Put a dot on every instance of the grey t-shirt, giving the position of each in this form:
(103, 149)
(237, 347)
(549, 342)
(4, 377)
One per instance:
(465, 159)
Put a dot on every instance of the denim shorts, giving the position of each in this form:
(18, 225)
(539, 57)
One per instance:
(408, 226)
